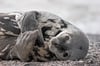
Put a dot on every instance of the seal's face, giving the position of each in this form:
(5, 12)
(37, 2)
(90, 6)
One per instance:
(59, 45)
(69, 46)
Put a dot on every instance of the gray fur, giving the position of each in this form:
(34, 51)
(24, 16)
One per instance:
(69, 45)
(24, 45)
(63, 39)
(9, 26)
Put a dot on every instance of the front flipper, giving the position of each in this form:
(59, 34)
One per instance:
(8, 25)
(29, 22)
(24, 45)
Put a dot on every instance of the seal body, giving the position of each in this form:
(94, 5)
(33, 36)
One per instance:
(64, 41)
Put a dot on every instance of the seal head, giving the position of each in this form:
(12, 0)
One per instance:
(70, 44)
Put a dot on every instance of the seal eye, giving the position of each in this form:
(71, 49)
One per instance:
(65, 54)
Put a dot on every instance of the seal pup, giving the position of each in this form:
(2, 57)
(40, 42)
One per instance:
(56, 32)
(65, 41)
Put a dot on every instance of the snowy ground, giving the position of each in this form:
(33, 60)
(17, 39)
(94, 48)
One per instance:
(85, 14)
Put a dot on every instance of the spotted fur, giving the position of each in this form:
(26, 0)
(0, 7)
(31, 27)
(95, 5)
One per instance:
(53, 40)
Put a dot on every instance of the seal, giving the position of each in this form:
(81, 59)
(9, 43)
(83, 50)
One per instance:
(64, 41)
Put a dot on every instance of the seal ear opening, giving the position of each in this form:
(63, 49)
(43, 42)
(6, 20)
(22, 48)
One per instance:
(81, 48)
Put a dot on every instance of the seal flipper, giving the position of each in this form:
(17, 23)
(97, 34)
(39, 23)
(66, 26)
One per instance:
(24, 45)
(40, 40)
(8, 26)
(29, 22)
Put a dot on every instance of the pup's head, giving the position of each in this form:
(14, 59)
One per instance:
(69, 45)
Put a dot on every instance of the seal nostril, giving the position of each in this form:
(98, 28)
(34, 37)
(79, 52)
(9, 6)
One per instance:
(67, 37)
(81, 48)
(65, 54)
